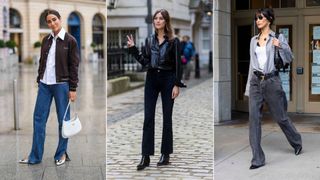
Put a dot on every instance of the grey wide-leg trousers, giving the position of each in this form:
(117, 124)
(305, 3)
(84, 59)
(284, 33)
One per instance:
(271, 92)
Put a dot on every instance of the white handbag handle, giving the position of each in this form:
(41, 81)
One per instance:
(65, 113)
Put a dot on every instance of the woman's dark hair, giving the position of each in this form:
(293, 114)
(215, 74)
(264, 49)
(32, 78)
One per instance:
(167, 29)
(51, 11)
(267, 13)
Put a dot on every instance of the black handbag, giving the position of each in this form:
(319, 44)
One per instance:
(278, 62)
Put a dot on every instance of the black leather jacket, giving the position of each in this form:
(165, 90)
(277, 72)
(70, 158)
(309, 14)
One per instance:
(165, 56)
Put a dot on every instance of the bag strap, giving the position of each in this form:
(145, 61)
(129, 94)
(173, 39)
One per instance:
(68, 106)
(65, 113)
(276, 52)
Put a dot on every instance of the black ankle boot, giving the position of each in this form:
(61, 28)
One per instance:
(145, 161)
(164, 160)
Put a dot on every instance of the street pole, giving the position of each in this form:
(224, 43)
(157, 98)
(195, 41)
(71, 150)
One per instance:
(149, 17)
(15, 105)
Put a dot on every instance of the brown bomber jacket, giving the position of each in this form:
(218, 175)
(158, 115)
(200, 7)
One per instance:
(67, 60)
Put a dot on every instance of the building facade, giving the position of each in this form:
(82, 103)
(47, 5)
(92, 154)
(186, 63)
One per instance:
(129, 17)
(299, 21)
(4, 20)
(84, 19)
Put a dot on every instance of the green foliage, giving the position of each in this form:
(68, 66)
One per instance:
(37, 44)
(2, 44)
(11, 44)
(93, 45)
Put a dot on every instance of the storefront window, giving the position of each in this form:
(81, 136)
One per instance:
(256, 4)
(313, 2)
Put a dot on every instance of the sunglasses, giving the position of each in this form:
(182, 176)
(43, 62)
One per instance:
(260, 17)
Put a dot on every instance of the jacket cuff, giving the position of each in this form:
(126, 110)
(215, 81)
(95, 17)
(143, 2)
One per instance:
(180, 84)
(133, 50)
(72, 89)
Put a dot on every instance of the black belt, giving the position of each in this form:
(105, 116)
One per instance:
(263, 76)
(159, 70)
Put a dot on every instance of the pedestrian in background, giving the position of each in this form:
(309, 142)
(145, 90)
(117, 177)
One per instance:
(58, 79)
(188, 53)
(162, 58)
(264, 85)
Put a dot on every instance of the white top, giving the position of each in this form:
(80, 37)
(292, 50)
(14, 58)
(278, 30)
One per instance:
(261, 53)
(49, 76)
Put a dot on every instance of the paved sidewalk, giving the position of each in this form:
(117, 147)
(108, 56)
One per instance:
(193, 140)
(86, 150)
(233, 153)
(131, 102)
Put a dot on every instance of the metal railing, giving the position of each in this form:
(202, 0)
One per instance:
(119, 61)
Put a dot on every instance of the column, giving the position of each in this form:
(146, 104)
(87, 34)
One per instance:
(221, 60)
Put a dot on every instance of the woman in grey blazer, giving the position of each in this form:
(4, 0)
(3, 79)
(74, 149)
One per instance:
(264, 85)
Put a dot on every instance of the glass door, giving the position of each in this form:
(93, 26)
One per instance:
(314, 62)
(286, 75)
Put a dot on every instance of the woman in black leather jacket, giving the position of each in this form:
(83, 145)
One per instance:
(161, 56)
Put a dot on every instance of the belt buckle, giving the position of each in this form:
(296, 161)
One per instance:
(158, 70)
(262, 77)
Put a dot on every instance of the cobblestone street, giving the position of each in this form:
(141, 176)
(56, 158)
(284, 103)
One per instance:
(192, 131)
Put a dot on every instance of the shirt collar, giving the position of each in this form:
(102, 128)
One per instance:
(61, 34)
(271, 34)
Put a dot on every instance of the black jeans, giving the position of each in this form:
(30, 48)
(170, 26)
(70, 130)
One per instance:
(158, 81)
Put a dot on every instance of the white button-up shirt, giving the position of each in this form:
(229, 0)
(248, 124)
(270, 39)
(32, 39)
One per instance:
(49, 76)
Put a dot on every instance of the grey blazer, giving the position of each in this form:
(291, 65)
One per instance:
(285, 53)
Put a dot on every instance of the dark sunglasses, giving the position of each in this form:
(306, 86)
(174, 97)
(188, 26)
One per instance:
(260, 17)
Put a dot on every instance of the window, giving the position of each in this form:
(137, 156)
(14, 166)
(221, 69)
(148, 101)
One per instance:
(256, 4)
(15, 18)
(288, 3)
(313, 2)
(97, 34)
(118, 38)
(113, 38)
(5, 16)
(97, 24)
(272, 3)
(205, 38)
(242, 4)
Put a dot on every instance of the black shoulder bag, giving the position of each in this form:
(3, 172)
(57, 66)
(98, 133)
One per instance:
(278, 62)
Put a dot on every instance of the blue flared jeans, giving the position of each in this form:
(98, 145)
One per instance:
(60, 94)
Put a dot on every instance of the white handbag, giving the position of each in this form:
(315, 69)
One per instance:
(72, 126)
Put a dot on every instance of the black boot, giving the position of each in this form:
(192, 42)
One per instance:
(145, 161)
(164, 160)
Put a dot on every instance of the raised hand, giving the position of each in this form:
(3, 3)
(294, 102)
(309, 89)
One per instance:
(130, 41)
